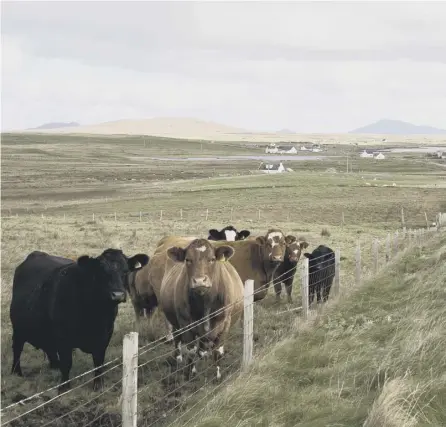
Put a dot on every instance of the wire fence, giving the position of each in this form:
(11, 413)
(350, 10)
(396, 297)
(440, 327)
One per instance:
(201, 361)
(409, 217)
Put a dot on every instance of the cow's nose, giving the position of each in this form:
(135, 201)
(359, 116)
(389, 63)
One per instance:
(277, 258)
(198, 282)
(118, 296)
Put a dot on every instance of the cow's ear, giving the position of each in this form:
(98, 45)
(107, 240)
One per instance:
(137, 261)
(214, 234)
(223, 253)
(84, 261)
(244, 234)
(261, 240)
(176, 254)
(290, 239)
(303, 244)
(307, 255)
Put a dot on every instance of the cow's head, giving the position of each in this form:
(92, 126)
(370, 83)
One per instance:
(274, 245)
(200, 259)
(110, 272)
(294, 248)
(229, 233)
(319, 259)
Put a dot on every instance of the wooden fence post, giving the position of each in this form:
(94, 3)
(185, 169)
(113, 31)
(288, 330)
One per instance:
(232, 211)
(337, 278)
(259, 214)
(375, 256)
(207, 214)
(161, 215)
(181, 213)
(304, 290)
(427, 222)
(403, 224)
(343, 219)
(388, 247)
(248, 324)
(358, 264)
(93, 216)
(130, 379)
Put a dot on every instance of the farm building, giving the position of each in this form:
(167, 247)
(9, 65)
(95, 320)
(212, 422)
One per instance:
(272, 167)
(282, 149)
(271, 148)
(366, 154)
(303, 148)
(380, 156)
(287, 150)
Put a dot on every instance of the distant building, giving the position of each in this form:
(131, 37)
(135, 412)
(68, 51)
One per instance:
(271, 149)
(303, 148)
(366, 154)
(272, 167)
(380, 156)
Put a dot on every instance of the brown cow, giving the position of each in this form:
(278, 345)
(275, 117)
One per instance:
(258, 259)
(198, 282)
(145, 286)
(286, 271)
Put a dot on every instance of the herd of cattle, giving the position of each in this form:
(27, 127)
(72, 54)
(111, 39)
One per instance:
(59, 304)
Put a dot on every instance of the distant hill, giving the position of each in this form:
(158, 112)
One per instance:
(398, 127)
(56, 125)
(285, 131)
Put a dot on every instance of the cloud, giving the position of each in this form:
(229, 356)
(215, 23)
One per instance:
(314, 67)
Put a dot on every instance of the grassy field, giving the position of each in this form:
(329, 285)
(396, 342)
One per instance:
(68, 179)
(377, 358)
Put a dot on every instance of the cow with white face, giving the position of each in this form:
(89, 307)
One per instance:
(228, 234)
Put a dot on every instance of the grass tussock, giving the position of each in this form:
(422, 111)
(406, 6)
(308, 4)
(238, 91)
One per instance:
(325, 232)
(375, 359)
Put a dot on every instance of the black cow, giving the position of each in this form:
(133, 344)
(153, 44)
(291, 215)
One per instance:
(229, 233)
(321, 273)
(59, 304)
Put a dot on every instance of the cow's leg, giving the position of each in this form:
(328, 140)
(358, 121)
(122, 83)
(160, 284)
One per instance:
(178, 349)
(53, 358)
(278, 290)
(289, 289)
(191, 353)
(319, 291)
(66, 361)
(310, 294)
(17, 348)
(326, 292)
(219, 342)
(98, 361)
(169, 327)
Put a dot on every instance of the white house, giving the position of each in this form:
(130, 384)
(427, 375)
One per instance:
(380, 156)
(303, 148)
(271, 149)
(316, 149)
(272, 167)
(287, 150)
(366, 154)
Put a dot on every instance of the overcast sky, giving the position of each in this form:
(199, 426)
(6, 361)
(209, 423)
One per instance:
(309, 67)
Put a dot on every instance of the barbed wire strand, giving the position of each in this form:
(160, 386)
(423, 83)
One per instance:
(34, 396)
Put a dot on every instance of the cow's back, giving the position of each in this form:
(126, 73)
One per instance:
(32, 291)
